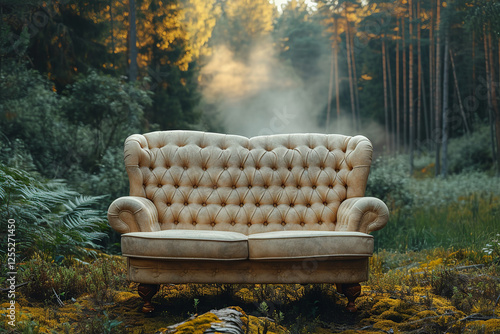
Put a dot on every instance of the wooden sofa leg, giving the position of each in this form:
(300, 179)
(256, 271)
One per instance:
(351, 291)
(147, 291)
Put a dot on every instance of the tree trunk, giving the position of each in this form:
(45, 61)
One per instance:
(419, 76)
(330, 92)
(411, 107)
(355, 83)
(462, 112)
(431, 72)
(349, 67)
(488, 86)
(398, 133)
(437, 99)
(112, 34)
(386, 107)
(494, 101)
(444, 165)
(405, 91)
(391, 99)
(337, 82)
(133, 69)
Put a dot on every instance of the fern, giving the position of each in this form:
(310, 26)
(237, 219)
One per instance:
(49, 217)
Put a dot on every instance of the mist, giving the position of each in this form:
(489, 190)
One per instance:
(263, 95)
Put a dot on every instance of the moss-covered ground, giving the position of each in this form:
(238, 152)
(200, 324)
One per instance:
(434, 291)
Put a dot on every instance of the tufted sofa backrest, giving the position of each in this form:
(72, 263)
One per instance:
(200, 180)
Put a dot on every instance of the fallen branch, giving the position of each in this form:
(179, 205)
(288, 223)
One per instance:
(59, 301)
(16, 286)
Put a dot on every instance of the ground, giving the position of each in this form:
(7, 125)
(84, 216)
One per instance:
(436, 291)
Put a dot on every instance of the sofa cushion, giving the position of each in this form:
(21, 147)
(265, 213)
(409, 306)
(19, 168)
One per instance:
(288, 245)
(186, 245)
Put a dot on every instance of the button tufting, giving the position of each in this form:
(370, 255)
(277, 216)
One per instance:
(241, 167)
(298, 186)
(266, 186)
(176, 222)
(257, 204)
(234, 187)
(204, 204)
(225, 167)
(194, 223)
(176, 186)
(185, 167)
(302, 223)
(257, 167)
(308, 205)
(330, 186)
(249, 224)
(185, 203)
(233, 223)
(159, 185)
(283, 223)
(195, 186)
(241, 204)
(282, 185)
(314, 187)
(320, 222)
(249, 187)
(212, 224)
(265, 223)
(169, 204)
(215, 186)
(274, 168)
(275, 204)
(204, 168)
(325, 203)
(292, 205)
(223, 204)
(289, 168)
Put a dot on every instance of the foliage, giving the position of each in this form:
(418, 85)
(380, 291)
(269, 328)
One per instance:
(389, 182)
(50, 218)
(72, 278)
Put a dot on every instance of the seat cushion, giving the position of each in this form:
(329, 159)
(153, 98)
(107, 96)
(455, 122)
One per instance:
(186, 244)
(287, 245)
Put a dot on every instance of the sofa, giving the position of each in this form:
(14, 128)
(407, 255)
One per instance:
(218, 208)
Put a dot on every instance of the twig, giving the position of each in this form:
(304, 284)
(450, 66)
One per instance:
(498, 299)
(477, 316)
(59, 301)
(474, 266)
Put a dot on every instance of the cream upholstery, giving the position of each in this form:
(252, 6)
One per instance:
(297, 245)
(248, 206)
(186, 245)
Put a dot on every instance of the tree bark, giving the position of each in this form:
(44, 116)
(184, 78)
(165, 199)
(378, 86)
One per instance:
(330, 92)
(444, 164)
(411, 106)
(349, 67)
(405, 91)
(462, 112)
(488, 87)
(494, 101)
(431, 70)
(355, 83)
(133, 68)
(386, 106)
(419, 76)
(398, 132)
(391, 99)
(437, 99)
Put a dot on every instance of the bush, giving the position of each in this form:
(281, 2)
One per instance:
(389, 182)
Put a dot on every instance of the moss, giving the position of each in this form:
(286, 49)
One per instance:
(393, 315)
(386, 325)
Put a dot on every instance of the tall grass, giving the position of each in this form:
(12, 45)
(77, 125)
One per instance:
(460, 211)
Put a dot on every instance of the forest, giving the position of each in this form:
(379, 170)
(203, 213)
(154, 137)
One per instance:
(419, 78)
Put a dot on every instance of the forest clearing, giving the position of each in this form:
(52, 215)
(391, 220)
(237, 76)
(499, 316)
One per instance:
(418, 78)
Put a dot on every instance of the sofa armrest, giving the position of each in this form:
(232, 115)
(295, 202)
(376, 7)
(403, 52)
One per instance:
(133, 214)
(362, 214)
